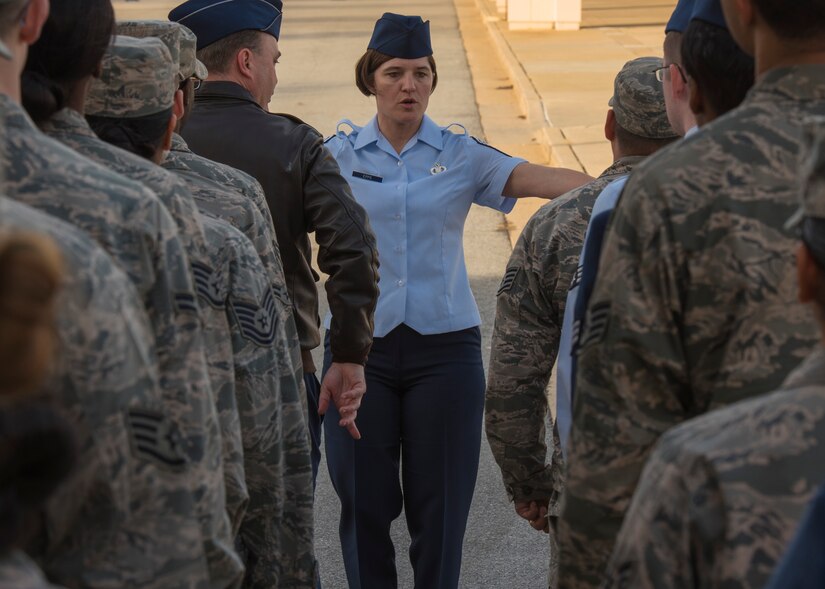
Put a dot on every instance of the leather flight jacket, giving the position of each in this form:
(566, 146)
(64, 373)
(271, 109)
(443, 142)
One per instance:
(306, 194)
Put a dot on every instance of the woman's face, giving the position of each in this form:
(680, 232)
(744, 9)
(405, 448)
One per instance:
(402, 89)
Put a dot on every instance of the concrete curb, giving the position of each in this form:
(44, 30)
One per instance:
(556, 147)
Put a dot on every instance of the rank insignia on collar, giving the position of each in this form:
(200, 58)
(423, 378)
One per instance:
(437, 168)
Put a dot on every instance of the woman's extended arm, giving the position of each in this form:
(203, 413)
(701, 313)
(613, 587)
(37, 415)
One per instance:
(542, 181)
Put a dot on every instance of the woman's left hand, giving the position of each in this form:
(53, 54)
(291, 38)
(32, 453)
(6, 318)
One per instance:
(344, 384)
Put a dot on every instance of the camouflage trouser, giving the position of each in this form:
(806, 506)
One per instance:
(553, 569)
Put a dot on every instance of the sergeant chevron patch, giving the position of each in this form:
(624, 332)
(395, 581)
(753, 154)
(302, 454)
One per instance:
(186, 302)
(155, 438)
(257, 321)
(210, 285)
(509, 279)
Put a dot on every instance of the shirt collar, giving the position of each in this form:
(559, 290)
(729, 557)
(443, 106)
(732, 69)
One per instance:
(799, 82)
(428, 132)
(214, 91)
(810, 373)
(68, 121)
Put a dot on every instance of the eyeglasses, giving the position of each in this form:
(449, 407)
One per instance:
(659, 72)
(196, 83)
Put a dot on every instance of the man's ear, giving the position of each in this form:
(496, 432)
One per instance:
(32, 21)
(678, 84)
(746, 11)
(807, 274)
(610, 126)
(178, 106)
(243, 61)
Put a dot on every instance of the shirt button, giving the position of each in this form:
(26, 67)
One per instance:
(400, 163)
(398, 249)
(398, 217)
(400, 283)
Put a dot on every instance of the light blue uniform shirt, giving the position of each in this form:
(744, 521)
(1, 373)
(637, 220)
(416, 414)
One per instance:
(564, 378)
(417, 203)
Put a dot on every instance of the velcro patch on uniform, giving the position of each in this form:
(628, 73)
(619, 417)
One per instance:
(509, 280)
(596, 322)
(257, 320)
(209, 285)
(186, 302)
(155, 437)
(365, 176)
(485, 144)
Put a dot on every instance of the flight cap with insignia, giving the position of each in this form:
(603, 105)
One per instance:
(406, 37)
(4, 50)
(709, 11)
(138, 79)
(680, 18)
(213, 20)
(178, 39)
(809, 219)
(638, 100)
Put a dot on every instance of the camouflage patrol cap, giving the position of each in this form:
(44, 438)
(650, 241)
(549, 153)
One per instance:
(180, 41)
(138, 80)
(639, 101)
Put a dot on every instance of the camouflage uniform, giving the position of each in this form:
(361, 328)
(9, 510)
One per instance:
(276, 534)
(126, 516)
(531, 304)
(722, 495)
(529, 312)
(695, 307)
(135, 228)
(17, 571)
(71, 129)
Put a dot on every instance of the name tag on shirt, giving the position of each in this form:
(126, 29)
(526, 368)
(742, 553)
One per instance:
(369, 177)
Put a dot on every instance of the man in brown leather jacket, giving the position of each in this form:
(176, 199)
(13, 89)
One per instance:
(238, 42)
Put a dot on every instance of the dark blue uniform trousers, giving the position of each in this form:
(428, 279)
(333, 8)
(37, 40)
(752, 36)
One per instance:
(420, 423)
(315, 421)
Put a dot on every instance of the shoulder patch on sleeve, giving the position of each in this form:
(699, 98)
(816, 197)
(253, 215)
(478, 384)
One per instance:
(485, 144)
(257, 320)
(508, 280)
(595, 324)
(209, 284)
(155, 437)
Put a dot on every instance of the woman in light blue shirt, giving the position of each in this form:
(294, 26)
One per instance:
(425, 381)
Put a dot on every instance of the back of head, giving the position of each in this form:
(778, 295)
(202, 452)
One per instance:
(797, 20)
(70, 49)
(722, 71)
(37, 448)
(638, 103)
(225, 28)
(130, 105)
(29, 281)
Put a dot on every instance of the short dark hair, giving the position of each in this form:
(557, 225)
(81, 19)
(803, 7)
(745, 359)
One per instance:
(142, 136)
(673, 48)
(723, 72)
(632, 144)
(370, 62)
(10, 15)
(218, 56)
(72, 44)
(800, 19)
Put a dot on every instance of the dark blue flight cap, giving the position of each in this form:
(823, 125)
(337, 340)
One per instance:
(213, 20)
(681, 17)
(407, 37)
(709, 11)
